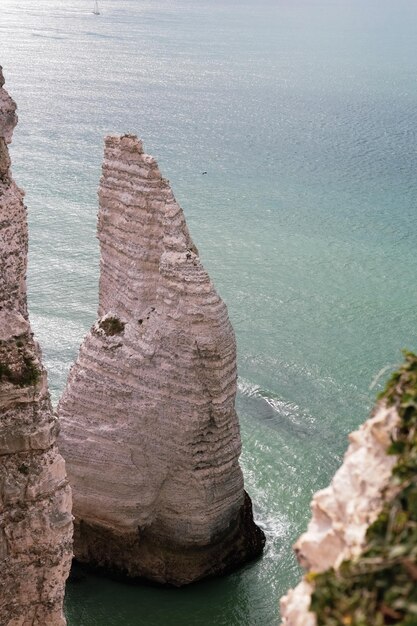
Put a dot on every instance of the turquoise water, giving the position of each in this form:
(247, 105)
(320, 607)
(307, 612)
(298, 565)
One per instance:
(303, 113)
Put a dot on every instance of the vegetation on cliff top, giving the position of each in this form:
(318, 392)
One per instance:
(380, 587)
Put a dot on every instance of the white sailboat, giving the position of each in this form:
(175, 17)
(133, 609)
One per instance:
(96, 9)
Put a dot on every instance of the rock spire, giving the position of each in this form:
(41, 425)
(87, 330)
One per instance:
(149, 429)
(35, 499)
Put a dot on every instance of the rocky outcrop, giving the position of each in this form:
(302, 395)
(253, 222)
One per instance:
(343, 512)
(149, 429)
(35, 499)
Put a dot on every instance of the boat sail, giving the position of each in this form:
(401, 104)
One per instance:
(96, 9)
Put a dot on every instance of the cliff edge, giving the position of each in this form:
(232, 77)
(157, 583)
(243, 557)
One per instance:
(35, 498)
(360, 546)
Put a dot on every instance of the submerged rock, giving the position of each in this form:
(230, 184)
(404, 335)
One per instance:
(149, 429)
(35, 499)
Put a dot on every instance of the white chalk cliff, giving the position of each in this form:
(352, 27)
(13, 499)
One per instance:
(342, 513)
(35, 498)
(149, 428)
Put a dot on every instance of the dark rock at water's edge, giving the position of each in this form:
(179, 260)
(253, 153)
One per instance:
(147, 559)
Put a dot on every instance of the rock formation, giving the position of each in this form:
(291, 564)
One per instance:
(35, 499)
(149, 429)
(343, 512)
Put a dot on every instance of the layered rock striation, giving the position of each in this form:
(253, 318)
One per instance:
(343, 512)
(149, 429)
(35, 498)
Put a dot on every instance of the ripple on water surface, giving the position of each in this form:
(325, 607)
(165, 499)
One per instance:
(303, 116)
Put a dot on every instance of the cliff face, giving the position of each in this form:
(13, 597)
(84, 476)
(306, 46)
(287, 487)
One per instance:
(35, 499)
(343, 512)
(149, 429)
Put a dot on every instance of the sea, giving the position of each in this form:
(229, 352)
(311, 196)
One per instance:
(303, 114)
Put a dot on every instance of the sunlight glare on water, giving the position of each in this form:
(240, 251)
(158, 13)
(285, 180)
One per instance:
(303, 116)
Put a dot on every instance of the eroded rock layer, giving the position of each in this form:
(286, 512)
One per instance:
(149, 429)
(343, 512)
(35, 499)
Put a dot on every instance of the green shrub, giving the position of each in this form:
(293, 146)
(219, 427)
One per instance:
(29, 373)
(112, 326)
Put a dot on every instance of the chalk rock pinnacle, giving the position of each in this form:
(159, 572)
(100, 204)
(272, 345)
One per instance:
(149, 429)
(35, 499)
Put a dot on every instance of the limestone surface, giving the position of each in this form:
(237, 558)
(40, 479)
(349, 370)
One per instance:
(149, 429)
(342, 513)
(35, 498)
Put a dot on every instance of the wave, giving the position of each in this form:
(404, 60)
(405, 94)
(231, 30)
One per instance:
(271, 407)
